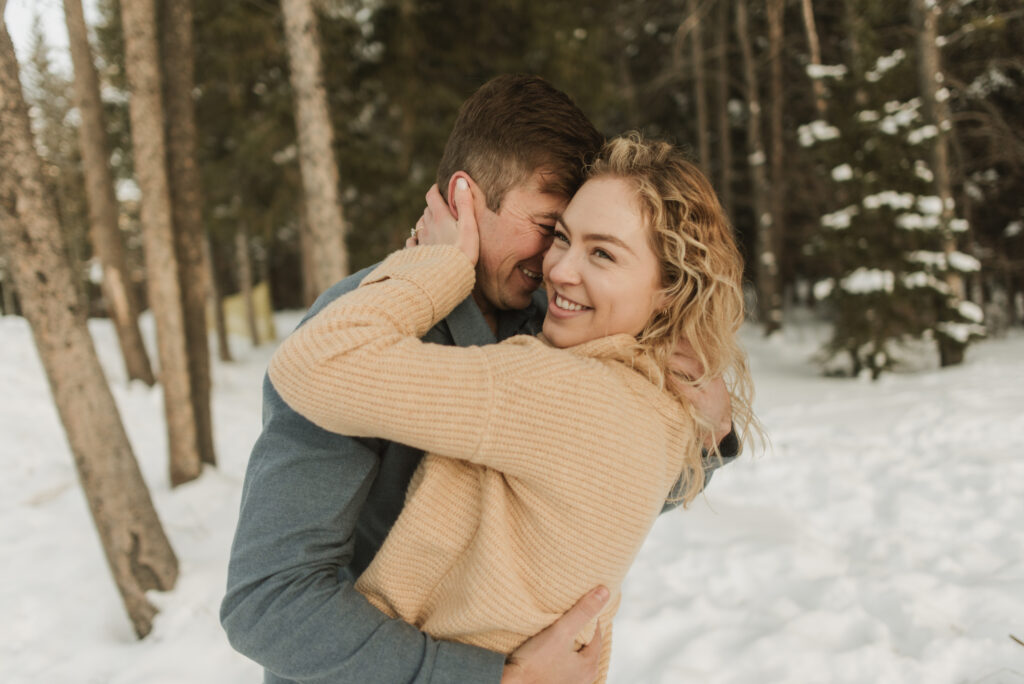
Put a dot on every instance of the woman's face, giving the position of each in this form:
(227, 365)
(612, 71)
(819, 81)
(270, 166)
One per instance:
(601, 275)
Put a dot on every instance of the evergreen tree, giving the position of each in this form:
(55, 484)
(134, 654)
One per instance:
(883, 240)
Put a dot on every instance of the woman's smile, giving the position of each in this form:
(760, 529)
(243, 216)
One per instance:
(563, 306)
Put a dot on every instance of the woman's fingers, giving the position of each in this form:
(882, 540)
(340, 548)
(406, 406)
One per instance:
(469, 236)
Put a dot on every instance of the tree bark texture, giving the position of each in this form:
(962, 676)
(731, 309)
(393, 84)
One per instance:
(700, 86)
(722, 106)
(936, 112)
(245, 281)
(147, 121)
(306, 251)
(187, 206)
(317, 163)
(216, 301)
(772, 297)
(814, 52)
(766, 264)
(103, 211)
(136, 548)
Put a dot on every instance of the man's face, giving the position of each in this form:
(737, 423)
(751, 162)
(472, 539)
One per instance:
(513, 241)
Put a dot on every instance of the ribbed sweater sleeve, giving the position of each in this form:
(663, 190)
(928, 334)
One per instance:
(358, 368)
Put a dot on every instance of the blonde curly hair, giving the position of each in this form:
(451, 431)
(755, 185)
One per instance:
(701, 278)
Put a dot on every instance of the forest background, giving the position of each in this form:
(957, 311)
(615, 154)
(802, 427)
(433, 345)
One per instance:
(868, 153)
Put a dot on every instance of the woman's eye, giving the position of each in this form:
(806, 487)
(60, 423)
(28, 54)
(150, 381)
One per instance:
(600, 253)
(559, 235)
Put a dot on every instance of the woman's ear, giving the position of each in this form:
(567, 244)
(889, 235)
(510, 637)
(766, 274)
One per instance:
(450, 196)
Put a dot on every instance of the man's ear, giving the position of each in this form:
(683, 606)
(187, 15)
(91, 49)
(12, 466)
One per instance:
(451, 190)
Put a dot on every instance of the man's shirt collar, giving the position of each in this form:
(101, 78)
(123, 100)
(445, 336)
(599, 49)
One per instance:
(468, 327)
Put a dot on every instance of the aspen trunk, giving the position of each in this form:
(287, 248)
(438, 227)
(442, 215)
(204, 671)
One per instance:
(722, 105)
(699, 84)
(147, 121)
(766, 264)
(316, 142)
(814, 50)
(936, 112)
(216, 302)
(772, 296)
(103, 211)
(187, 207)
(306, 250)
(245, 281)
(7, 290)
(136, 548)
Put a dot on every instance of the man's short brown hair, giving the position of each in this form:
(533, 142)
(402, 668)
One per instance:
(513, 126)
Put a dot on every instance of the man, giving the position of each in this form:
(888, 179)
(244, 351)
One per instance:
(316, 506)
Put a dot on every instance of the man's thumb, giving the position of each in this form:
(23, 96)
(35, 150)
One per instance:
(585, 610)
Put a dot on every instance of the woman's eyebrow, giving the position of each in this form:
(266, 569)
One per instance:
(599, 237)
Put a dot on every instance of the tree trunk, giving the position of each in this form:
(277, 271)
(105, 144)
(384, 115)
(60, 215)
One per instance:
(245, 281)
(7, 289)
(216, 302)
(316, 142)
(722, 105)
(187, 207)
(103, 212)
(700, 87)
(936, 112)
(306, 251)
(772, 296)
(137, 550)
(766, 264)
(814, 49)
(147, 121)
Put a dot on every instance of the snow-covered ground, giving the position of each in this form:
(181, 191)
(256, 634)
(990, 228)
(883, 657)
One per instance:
(879, 539)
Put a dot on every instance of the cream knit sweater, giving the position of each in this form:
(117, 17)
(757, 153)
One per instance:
(555, 462)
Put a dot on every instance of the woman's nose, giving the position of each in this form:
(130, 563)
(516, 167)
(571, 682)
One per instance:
(564, 268)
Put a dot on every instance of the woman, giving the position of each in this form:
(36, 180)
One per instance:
(550, 457)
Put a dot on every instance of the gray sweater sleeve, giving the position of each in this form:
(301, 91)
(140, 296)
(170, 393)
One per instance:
(290, 603)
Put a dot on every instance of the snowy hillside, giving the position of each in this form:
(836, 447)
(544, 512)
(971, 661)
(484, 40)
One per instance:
(880, 539)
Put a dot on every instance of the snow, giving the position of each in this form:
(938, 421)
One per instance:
(965, 263)
(867, 280)
(877, 540)
(971, 311)
(884, 64)
(922, 171)
(961, 332)
(912, 221)
(919, 135)
(838, 220)
(818, 71)
(889, 198)
(923, 279)
(823, 288)
(843, 172)
(815, 131)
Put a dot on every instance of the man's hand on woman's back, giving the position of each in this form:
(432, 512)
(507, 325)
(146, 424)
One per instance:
(550, 657)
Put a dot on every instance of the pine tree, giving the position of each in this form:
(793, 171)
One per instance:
(883, 239)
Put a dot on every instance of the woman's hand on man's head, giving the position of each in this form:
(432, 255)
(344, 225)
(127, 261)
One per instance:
(437, 225)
